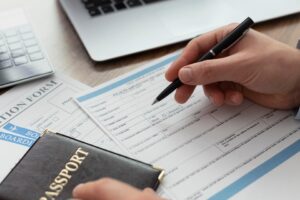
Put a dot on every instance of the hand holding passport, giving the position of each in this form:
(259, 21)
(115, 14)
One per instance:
(109, 189)
(56, 164)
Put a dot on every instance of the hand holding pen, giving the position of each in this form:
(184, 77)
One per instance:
(257, 67)
(228, 41)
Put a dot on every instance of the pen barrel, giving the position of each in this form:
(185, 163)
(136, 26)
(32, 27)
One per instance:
(233, 36)
(175, 84)
(207, 56)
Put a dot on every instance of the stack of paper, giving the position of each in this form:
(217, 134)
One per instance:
(208, 152)
(29, 109)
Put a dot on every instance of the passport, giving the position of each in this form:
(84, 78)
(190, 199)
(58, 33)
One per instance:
(55, 164)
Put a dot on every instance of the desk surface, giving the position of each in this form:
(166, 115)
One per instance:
(68, 55)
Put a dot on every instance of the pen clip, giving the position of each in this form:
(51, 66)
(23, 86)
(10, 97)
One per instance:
(236, 41)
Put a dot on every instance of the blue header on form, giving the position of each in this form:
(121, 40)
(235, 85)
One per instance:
(127, 79)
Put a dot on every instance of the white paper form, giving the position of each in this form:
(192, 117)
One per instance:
(208, 152)
(29, 109)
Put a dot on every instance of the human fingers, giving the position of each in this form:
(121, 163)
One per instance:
(214, 94)
(149, 194)
(196, 48)
(105, 189)
(212, 71)
(183, 93)
(233, 97)
(232, 92)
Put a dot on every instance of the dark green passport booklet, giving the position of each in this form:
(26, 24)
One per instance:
(56, 164)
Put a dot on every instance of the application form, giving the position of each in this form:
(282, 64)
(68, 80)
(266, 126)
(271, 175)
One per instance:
(27, 110)
(208, 152)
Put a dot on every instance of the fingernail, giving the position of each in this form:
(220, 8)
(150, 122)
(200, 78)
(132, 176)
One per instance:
(235, 100)
(186, 74)
(72, 199)
(212, 100)
(77, 188)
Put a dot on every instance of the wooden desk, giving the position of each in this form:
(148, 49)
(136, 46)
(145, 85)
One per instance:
(68, 55)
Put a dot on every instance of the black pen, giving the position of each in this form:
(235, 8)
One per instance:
(222, 46)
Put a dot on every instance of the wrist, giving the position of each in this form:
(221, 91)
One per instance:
(296, 66)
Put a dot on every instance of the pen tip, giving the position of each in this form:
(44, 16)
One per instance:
(155, 101)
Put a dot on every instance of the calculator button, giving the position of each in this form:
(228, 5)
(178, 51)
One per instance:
(5, 64)
(36, 56)
(15, 46)
(17, 53)
(2, 43)
(33, 49)
(10, 33)
(4, 56)
(3, 49)
(25, 29)
(21, 60)
(31, 42)
(13, 39)
(27, 36)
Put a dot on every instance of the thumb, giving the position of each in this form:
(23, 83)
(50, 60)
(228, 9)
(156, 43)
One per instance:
(211, 71)
(105, 189)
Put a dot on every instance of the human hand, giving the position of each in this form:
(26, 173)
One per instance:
(109, 189)
(257, 67)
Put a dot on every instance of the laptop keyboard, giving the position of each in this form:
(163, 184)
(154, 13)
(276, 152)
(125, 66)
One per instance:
(102, 7)
(18, 46)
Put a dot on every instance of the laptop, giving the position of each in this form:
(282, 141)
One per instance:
(114, 28)
(22, 57)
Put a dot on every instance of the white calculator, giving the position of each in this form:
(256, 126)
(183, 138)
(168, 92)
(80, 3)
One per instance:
(22, 57)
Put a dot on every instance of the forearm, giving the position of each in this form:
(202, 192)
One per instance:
(294, 62)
